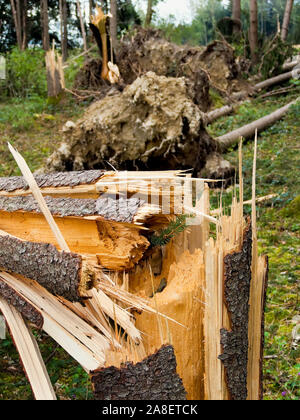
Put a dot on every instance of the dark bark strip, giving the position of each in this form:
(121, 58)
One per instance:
(264, 302)
(235, 342)
(58, 179)
(155, 378)
(21, 304)
(58, 272)
(121, 210)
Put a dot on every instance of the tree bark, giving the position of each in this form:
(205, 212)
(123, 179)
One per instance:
(45, 25)
(64, 28)
(286, 19)
(62, 273)
(114, 23)
(16, 11)
(275, 80)
(236, 12)
(253, 34)
(149, 14)
(82, 26)
(21, 304)
(24, 25)
(141, 381)
(218, 113)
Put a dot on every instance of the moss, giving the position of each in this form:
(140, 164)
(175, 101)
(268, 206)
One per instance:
(293, 208)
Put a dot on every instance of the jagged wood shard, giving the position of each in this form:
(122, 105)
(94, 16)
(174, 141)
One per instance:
(235, 342)
(155, 378)
(29, 352)
(62, 273)
(21, 304)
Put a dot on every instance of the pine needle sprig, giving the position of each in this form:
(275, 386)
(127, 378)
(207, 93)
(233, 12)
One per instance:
(175, 227)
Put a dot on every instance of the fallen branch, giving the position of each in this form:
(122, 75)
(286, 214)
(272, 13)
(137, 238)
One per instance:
(277, 92)
(218, 113)
(276, 80)
(291, 65)
(230, 139)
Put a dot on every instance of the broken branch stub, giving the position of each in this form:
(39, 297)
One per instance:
(62, 273)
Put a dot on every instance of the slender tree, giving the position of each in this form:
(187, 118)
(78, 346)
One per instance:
(286, 19)
(253, 32)
(45, 25)
(236, 9)
(114, 23)
(236, 15)
(82, 27)
(63, 10)
(19, 11)
(149, 13)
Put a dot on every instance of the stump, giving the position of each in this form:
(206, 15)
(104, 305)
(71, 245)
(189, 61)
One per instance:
(175, 305)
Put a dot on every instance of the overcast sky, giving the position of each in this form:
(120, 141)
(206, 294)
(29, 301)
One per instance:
(179, 8)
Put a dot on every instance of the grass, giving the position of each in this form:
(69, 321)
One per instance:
(33, 127)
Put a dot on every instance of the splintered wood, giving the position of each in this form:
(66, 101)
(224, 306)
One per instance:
(172, 318)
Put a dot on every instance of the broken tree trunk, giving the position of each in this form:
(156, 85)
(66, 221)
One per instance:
(154, 378)
(185, 286)
(229, 139)
(55, 76)
(63, 274)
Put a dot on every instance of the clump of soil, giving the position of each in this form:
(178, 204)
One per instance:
(153, 124)
(203, 67)
(148, 50)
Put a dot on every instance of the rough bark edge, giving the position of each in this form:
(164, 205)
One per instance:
(59, 272)
(121, 210)
(261, 387)
(22, 305)
(58, 179)
(237, 279)
(155, 378)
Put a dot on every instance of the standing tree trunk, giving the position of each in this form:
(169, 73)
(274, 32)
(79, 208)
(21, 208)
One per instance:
(82, 26)
(24, 25)
(236, 14)
(19, 12)
(253, 35)
(64, 28)
(286, 19)
(45, 24)
(91, 9)
(149, 13)
(114, 23)
(236, 9)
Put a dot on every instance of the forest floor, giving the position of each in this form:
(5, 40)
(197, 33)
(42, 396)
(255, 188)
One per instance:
(33, 128)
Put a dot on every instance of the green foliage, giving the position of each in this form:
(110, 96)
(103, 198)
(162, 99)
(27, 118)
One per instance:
(175, 227)
(26, 74)
(274, 53)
